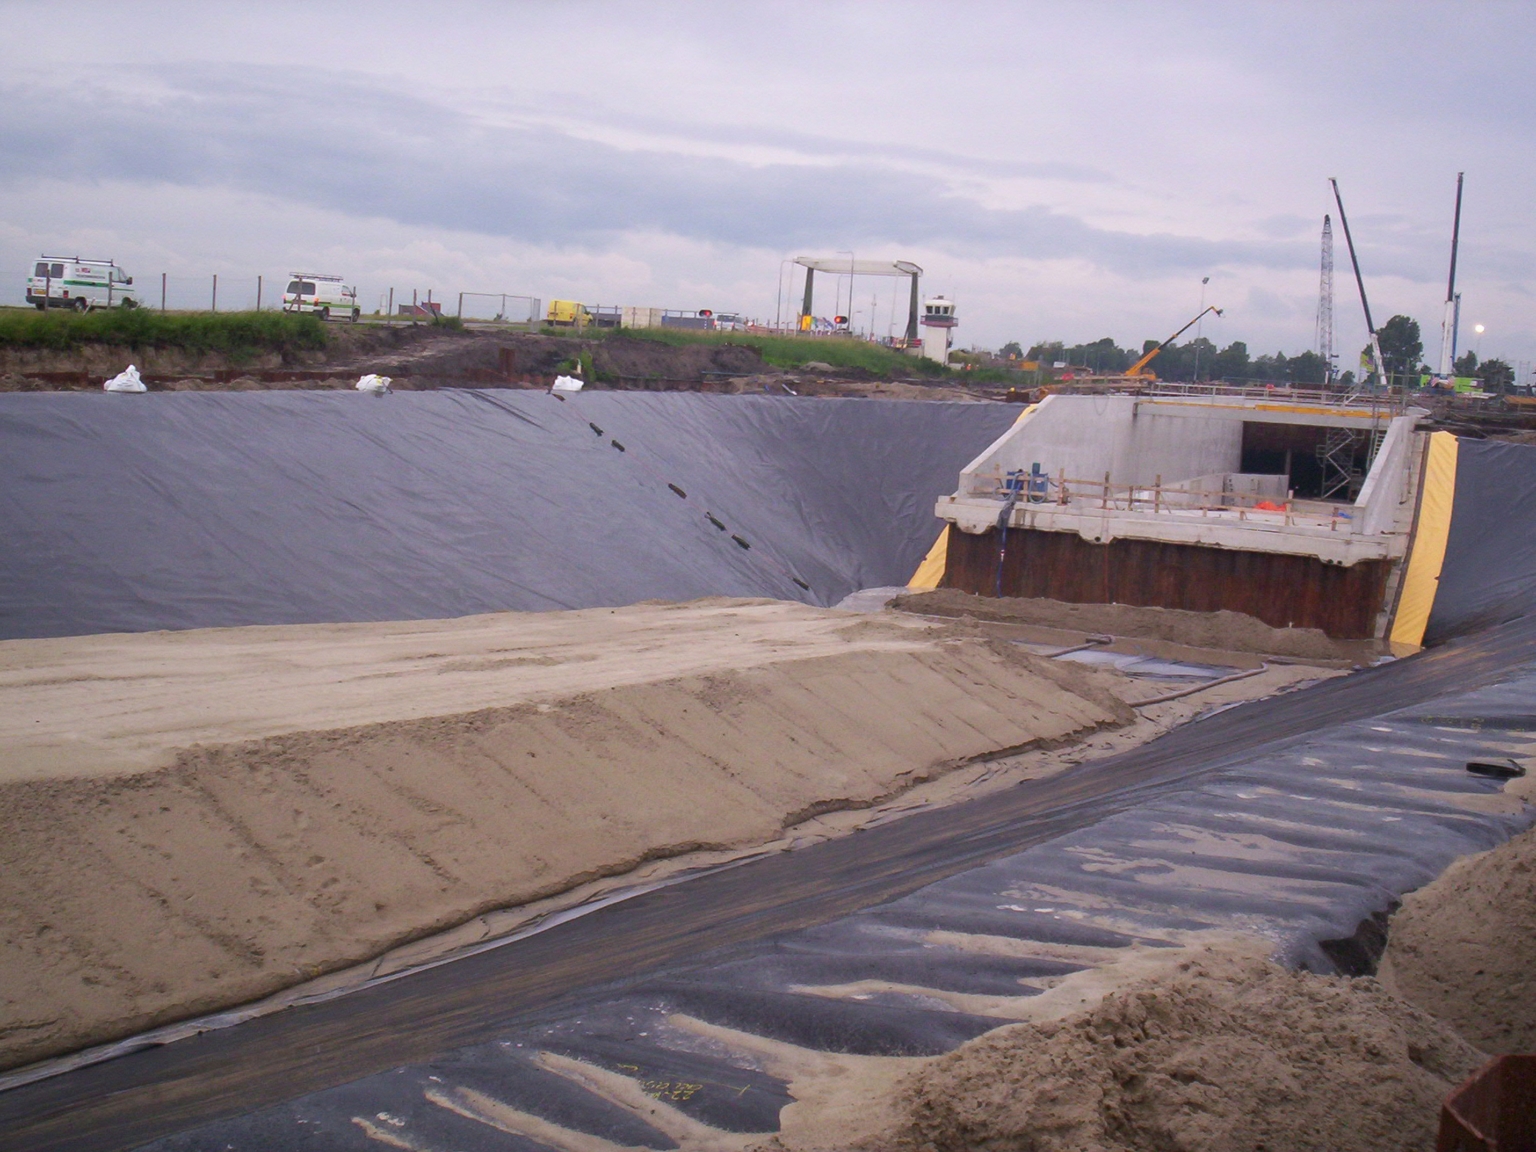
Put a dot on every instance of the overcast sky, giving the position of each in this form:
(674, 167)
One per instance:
(1063, 170)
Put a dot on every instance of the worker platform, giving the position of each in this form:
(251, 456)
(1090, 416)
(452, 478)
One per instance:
(1295, 510)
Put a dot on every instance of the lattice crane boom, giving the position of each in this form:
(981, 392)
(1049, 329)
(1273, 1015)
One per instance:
(1325, 302)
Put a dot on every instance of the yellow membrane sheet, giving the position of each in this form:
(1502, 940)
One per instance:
(931, 571)
(1422, 579)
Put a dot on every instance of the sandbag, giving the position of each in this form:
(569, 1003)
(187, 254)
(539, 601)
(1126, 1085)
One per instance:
(125, 381)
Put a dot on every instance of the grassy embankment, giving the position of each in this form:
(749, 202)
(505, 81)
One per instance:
(795, 351)
(235, 334)
(792, 351)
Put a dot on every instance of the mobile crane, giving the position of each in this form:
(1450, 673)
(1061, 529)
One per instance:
(1139, 370)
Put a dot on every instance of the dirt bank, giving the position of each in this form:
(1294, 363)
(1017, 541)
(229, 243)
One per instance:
(425, 357)
(1464, 946)
(1226, 631)
(1221, 1053)
(195, 819)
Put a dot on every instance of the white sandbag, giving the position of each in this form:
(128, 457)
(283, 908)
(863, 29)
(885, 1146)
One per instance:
(125, 381)
(566, 384)
(374, 385)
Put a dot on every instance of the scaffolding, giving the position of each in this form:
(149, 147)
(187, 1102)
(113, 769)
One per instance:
(1336, 457)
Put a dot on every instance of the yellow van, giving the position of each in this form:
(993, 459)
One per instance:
(567, 314)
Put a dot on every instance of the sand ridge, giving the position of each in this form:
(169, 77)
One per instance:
(88, 705)
(1203, 1047)
(1220, 1053)
(1464, 945)
(244, 866)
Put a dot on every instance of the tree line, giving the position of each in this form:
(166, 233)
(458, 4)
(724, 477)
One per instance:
(1402, 350)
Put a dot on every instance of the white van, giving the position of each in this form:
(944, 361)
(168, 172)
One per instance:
(321, 295)
(70, 282)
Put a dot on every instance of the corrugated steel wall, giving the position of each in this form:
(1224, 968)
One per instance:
(1281, 590)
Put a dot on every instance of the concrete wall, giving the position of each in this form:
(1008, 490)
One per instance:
(1091, 435)
(1257, 485)
(1388, 491)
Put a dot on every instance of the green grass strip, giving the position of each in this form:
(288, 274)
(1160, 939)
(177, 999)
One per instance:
(783, 351)
(236, 334)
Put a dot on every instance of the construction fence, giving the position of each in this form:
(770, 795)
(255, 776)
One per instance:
(214, 292)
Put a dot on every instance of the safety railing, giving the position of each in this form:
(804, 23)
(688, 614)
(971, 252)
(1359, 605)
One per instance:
(1362, 402)
(1180, 499)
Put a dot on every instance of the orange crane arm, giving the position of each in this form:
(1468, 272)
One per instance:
(1136, 368)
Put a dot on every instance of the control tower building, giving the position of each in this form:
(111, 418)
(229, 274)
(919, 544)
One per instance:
(938, 320)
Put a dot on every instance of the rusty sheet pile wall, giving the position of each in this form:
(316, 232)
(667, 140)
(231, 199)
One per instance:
(1283, 591)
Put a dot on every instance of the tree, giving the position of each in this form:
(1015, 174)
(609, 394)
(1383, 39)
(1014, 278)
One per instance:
(1496, 375)
(1274, 369)
(1102, 356)
(1401, 347)
(1308, 368)
(1231, 363)
(1200, 352)
(1011, 350)
(1175, 362)
(1465, 364)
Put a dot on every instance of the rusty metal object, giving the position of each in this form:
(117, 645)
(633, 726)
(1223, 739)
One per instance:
(1494, 1110)
(1281, 590)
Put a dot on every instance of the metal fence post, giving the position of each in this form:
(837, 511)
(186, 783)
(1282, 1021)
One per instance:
(214, 306)
(258, 292)
(460, 313)
(389, 314)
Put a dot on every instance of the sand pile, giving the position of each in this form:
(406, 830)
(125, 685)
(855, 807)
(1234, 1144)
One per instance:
(1225, 1054)
(1464, 947)
(1226, 631)
(195, 819)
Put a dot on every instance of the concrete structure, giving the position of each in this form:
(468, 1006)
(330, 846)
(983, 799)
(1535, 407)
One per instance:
(1298, 513)
(634, 317)
(938, 322)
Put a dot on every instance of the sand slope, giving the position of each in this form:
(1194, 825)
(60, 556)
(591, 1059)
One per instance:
(220, 870)
(1224, 1053)
(1464, 946)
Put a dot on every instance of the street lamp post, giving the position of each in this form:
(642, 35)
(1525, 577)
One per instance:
(849, 313)
(778, 297)
(1200, 327)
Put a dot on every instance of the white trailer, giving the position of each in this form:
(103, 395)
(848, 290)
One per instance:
(70, 282)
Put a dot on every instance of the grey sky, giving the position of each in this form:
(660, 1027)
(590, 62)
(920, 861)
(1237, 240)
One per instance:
(1064, 170)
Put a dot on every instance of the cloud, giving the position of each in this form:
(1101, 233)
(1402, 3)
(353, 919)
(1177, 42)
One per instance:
(356, 148)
